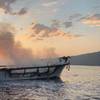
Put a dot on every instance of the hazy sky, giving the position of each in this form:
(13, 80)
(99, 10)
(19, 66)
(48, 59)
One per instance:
(58, 27)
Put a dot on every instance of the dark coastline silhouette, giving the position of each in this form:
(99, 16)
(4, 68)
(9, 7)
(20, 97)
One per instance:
(92, 59)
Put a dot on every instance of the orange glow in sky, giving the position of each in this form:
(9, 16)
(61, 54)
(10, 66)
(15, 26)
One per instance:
(46, 27)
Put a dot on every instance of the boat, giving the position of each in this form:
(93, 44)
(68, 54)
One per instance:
(34, 72)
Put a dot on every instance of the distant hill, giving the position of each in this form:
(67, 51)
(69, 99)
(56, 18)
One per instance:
(92, 59)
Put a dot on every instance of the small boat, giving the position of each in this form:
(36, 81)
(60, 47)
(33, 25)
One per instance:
(34, 72)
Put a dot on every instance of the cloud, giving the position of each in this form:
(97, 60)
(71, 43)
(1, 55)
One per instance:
(93, 20)
(22, 11)
(67, 24)
(6, 6)
(40, 32)
(59, 24)
(55, 23)
(49, 3)
(74, 16)
(43, 31)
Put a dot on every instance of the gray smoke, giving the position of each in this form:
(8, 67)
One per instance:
(14, 52)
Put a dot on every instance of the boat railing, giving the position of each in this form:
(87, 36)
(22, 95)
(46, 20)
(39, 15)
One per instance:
(31, 71)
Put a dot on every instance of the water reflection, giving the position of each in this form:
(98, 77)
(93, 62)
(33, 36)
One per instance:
(81, 83)
(38, 90)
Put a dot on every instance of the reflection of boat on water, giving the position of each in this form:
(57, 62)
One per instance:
(39, 72)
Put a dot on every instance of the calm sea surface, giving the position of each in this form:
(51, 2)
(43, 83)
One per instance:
(80, 83)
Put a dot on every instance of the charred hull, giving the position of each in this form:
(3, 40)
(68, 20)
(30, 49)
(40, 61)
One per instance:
(39, 72)
(31, 72)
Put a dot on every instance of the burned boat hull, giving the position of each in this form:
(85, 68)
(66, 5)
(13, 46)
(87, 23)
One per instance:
(31, 72)
(39, 72)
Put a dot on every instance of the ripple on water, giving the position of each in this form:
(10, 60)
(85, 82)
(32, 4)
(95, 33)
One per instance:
(76, 86)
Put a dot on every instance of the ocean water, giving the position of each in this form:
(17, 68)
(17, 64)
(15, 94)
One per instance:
(80, 83)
